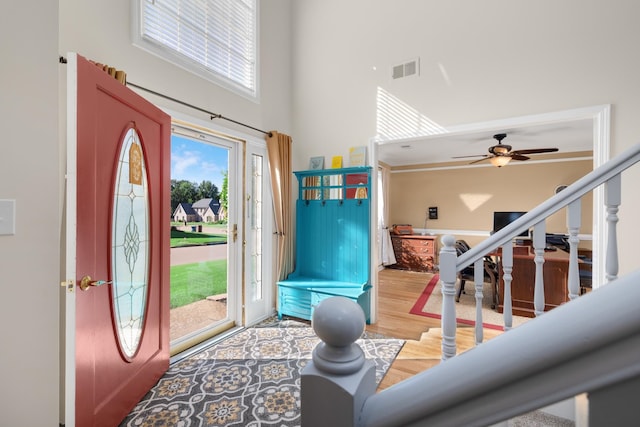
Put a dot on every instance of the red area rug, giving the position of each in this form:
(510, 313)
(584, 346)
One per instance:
(429, 304)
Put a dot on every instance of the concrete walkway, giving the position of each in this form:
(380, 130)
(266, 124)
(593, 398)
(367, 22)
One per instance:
(191, 254)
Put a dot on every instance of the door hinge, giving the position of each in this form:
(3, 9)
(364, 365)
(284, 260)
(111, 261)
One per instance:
(234, 233)
(69, 284)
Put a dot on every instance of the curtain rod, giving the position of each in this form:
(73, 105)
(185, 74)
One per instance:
(212, 115)
(63, 60)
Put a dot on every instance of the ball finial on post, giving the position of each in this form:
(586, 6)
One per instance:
(338, 322)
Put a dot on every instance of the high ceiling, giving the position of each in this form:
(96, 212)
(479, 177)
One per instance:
(567, 136)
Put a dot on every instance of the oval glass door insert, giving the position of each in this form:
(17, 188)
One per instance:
(130, 244)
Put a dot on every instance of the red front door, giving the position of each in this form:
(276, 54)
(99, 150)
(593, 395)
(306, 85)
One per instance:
(122, 239)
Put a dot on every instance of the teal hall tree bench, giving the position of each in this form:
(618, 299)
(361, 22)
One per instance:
(332, 241)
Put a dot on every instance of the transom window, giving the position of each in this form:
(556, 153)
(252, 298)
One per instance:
(215, 39)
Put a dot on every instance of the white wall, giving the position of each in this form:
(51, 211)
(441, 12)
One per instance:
(33, 152)
(480, 61)
(29, 174)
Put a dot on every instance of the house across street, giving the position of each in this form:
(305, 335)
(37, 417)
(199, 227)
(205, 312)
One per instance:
(204, 210)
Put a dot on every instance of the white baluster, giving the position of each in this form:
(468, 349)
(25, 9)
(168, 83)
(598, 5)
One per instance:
(448, 276)
(574, 212)
(478, 278)
(539, 243)
(507, 268)
(612, 200)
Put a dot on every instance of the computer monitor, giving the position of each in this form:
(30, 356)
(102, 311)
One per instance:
(502, 219)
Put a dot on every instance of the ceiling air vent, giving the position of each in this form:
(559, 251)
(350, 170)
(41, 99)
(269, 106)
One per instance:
(406, 69)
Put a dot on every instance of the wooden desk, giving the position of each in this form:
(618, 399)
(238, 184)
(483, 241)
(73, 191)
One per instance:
(555, 272)
(414, 252)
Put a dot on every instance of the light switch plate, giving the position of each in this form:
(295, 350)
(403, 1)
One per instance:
(7, 217)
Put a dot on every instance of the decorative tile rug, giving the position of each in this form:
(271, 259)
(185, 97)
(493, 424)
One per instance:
(249, 379)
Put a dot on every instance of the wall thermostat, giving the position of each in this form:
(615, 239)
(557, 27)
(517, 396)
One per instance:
(433, 212)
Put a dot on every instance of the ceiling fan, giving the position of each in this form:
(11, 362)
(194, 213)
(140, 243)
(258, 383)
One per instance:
(501, 154)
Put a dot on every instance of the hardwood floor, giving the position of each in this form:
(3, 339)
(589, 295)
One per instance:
(398, 291)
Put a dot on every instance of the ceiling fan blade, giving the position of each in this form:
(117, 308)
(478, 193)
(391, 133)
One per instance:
(516, 156)
(464, 157)
(535, 151)
(480, 160)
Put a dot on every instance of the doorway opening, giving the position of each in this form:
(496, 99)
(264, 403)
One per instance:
(222, 228)
(595, 118)
(203, 292)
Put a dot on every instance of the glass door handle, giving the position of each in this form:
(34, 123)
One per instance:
(86, 282)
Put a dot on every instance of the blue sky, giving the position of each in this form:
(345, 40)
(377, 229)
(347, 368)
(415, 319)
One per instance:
(197, 161)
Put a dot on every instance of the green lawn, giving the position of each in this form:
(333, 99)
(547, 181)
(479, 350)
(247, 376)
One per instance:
(195, 282)
(188, 238)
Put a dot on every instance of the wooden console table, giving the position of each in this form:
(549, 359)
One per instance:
(415, 252)
(555, 272)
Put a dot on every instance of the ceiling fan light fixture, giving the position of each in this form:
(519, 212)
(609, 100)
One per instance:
(501, 149)
(500, 161)
(501, 154)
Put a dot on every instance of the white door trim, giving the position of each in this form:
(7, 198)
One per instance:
(69, 415)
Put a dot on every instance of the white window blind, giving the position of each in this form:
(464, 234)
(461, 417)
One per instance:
(216, 36)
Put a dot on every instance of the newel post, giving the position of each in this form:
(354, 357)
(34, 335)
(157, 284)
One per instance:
(338, 379)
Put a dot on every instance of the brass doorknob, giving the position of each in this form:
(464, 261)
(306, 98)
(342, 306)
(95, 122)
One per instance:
(86, 282)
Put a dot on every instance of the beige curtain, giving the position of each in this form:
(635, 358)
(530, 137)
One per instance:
(279, 153)
(387, 256)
